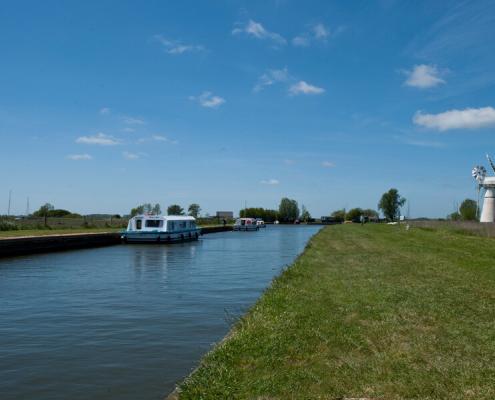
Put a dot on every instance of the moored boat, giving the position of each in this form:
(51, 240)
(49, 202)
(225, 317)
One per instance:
(260, 223)
(246, 224)
(161, 229)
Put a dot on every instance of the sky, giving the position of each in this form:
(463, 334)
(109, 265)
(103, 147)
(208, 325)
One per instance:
(105, 105)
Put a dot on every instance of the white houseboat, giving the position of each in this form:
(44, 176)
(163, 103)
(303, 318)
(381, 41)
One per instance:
(246, 224)
(158, 229)
(260, 223)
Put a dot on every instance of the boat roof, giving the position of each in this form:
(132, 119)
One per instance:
(165, 217)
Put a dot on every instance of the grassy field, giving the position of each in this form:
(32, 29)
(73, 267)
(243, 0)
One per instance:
(370, 311)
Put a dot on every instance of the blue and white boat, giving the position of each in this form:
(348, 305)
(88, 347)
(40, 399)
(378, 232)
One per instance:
(246, 224)
(161, 229)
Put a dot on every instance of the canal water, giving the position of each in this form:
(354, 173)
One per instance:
(130, 321)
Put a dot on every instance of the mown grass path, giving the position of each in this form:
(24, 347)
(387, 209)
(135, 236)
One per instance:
(369, 311)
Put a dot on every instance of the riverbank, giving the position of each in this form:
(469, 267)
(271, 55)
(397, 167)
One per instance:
(46, 241)
(370, 311)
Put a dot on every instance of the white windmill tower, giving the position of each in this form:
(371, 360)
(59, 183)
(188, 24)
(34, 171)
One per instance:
(488, 184)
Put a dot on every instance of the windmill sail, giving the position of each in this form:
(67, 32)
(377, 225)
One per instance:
(491, 162)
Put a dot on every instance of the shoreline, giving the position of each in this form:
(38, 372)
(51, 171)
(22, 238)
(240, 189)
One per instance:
(350, 318)
(27, 245)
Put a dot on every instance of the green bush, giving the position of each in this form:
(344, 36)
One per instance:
(8, 226)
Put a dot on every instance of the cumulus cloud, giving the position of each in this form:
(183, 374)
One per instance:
(130, 156)
(256, 30)
(469, 118)
(104, 111)
(301, 41)
(423, 76)
(328, 164)
(176, 46)
(303, 87)
(133, 121)
(270, 181)
(157, 138)
(98, 139)
(316, 33)
(320, 31)
(208, 100)
(271, 77)
(79, 157)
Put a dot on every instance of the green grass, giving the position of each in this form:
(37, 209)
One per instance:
(44, 232)
(374, 312)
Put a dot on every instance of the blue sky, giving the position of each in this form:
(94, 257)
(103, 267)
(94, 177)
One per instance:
(105, 105)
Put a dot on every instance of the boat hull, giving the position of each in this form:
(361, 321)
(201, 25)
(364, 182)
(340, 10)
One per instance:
(246, 228)
(160, 237)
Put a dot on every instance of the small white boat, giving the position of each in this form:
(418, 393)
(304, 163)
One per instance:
(246, 224)
(158, 229)
(260, 223)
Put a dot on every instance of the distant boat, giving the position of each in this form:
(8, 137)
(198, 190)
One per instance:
(158, 229)
(260, 223)
(246, 224)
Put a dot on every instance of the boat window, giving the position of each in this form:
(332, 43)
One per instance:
(170, 226)
(182, 224)
(139, 223)
(154, 223)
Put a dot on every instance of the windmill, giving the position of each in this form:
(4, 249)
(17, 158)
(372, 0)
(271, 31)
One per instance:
(488, 184)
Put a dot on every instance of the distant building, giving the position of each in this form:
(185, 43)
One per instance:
(225, 214)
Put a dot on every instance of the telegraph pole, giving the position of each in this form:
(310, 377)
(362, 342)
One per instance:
(10, 198)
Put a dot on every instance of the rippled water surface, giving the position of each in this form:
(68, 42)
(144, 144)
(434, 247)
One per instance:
(128, 322)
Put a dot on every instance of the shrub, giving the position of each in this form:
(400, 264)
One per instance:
(8, 226)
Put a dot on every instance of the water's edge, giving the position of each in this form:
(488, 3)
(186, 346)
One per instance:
(175, 394)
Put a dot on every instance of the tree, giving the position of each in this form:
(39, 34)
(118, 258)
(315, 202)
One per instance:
(43, 211)
(455, 216)
(305, 215)
(390, 204)
(338, 215)
(370, 213)
(288, 210)
(468, 210)
(354, 214)
(156, 210)
(194, 210)
(175, 209)
(146, 208)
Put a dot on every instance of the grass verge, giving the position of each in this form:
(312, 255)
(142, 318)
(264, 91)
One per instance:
(369, 311)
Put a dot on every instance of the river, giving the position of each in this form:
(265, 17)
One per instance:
(129, 321)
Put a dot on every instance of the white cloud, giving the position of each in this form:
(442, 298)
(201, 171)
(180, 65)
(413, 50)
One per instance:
(130, 130)
(320, 31)
(134, 121)
(208, 100)
(270, 77)
(469, 118)
(423, 143)
(316, 33)
(99, 139)
(301, 40)
(104, 111)
(270, 181)
(423, 76)
(328, 164)
(255, 29)
(130, 156)
(157, 138)
(303, 87)
(79, 157)
(176, 46)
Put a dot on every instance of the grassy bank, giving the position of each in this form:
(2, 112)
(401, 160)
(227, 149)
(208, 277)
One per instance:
(373, 311)
(45, 232)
